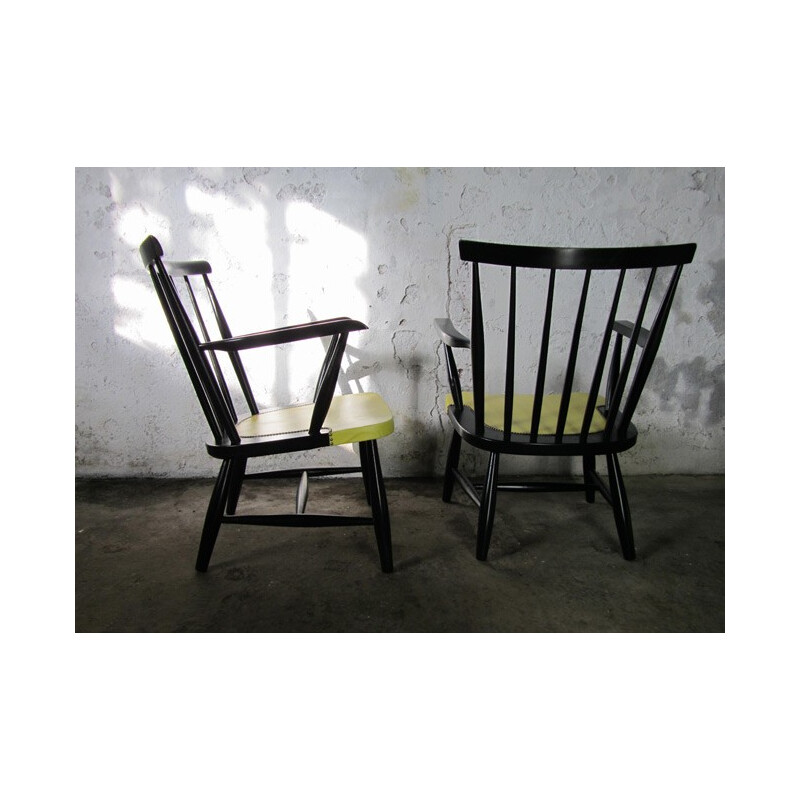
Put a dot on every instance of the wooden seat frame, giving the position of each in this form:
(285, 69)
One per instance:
(199, 356)
(624, 384)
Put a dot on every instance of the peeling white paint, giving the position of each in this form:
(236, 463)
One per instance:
(381, 245)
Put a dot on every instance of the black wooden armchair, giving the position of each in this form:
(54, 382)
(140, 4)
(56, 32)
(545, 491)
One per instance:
(555, 419)
(327, 419)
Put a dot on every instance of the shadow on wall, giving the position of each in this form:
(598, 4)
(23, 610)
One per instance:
(693, 388)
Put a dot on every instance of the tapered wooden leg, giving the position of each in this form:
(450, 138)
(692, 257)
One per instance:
(588, 468)
(453, 454)
(622, 512)
(213, 517)
(237, 478)
(488, 503)
(373, 475)
(363, 455)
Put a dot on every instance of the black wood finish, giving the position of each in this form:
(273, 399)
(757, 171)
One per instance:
(193, 337)
(638, 272)
(588, 471)
(293, 333)
(600, 366)
(511, 341)
(541, 367)
(576, 257)
(619, 502)
(451, 467)
(371, 465)
(213, 517)
(487, 506)
(477, 350)
(238, 468)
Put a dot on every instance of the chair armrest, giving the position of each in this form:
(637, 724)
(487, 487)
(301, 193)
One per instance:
(626, 329)
(338, 327)
(291, 333)
(622, 327)
(449, 335)
(179, 269)
(452, 338)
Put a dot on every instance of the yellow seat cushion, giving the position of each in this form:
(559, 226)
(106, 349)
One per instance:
(351, 418)
(494, 412)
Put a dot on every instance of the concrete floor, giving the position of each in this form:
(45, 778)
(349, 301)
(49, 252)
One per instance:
(554, 563)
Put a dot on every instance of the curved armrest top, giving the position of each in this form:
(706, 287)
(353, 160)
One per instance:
(627, 328)
(181, 268)
(449, 335)
(291, 333)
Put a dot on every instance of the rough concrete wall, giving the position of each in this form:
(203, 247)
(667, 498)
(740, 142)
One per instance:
(380, 245)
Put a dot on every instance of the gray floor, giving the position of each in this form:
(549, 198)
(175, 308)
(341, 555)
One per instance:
(554, 563)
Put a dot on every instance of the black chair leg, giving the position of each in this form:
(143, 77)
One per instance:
(488, 503)
(589, 467)
(622, 512)
(453, 455)
(213, 517)
(237, 478)
(363, 455)
(371, 464)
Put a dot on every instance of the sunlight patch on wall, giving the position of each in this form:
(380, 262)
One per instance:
(231, 221)
(135, 224)
(327, 265)
(139, 318)
(235, 242)
(320, 275)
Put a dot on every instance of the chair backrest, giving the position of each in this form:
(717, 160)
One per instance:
(190, 329)
(595, 281)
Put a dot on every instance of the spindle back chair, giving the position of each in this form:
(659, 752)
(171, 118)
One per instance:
(554, 419)
(327, 419)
